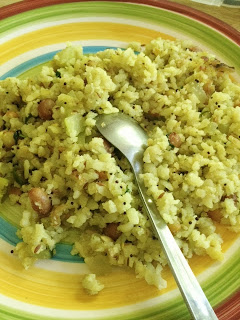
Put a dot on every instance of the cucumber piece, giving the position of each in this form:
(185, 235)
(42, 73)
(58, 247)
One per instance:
(74, 125)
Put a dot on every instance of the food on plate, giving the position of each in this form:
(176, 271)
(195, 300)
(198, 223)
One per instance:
(91, 284)
(73, 186)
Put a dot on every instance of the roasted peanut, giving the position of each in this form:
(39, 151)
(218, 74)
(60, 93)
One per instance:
(75, 174)
(205, 58)
(231, 196)
(108, 147)
(175, 140)
(11, 114)
(112, 231)
(56, 214)
(15, 191)
(175, 227)
(209, 88)
(102, 175)
(152, 116)
(215, 215)
(40, 201)
(45, 109)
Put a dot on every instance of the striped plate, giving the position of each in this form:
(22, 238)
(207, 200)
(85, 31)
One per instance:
(31, 33)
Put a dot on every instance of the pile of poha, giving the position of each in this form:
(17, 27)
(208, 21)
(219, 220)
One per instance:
(74, 186)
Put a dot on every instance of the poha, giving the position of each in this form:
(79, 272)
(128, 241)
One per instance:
(73, 185)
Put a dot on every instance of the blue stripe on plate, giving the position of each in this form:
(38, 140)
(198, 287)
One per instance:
(27, 65)
(8, 232)
(63, 251)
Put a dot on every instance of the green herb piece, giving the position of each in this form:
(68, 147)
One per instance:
(205, 114)
(58, 74)
(127, 190)
(28, 118)
(171, 145)
(17, 176)
(18, 135)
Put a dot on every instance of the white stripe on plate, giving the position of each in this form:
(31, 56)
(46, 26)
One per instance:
(88, 314)
(26, 28)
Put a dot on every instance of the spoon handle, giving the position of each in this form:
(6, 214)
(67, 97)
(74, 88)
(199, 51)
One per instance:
(192, 292)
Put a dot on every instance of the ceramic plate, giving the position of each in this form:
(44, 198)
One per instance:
(31, 33)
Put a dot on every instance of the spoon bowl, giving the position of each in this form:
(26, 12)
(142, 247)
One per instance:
(128, 137)
(120, 126)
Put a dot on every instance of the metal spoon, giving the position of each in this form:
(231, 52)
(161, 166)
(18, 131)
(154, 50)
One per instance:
(127, 136)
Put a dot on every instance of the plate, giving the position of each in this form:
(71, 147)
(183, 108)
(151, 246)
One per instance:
(31, 33)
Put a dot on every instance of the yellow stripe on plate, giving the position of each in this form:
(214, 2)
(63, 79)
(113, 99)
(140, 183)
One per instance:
(75, 32)
(64, 291)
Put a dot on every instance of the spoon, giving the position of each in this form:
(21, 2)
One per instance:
(128, 137)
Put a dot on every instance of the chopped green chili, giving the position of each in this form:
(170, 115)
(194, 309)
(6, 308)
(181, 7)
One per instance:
(18, 135)
(58, 74)
(18, 177)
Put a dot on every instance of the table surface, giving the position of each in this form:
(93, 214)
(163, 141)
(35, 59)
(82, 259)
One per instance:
(230, 15)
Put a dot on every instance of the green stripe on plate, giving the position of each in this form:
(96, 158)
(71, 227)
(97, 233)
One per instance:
(172, 21)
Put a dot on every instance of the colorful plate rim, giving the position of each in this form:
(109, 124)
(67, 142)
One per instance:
(190, 12)
(218, 25)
